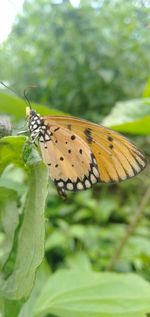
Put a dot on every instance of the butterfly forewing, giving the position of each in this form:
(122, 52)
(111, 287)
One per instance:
(116, 157)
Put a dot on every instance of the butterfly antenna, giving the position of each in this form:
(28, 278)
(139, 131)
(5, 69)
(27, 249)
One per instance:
(1, 82)
(26, 98)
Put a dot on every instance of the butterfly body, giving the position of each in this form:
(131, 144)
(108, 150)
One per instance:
(79, 153)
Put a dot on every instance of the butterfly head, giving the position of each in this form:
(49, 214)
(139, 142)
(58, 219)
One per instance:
(30, 113)
(37, 128)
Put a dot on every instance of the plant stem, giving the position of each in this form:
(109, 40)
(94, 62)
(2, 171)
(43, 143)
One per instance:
(131, 227)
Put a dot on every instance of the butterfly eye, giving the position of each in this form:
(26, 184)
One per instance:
(28, 112)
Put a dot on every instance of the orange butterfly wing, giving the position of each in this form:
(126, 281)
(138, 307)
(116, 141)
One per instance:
(117, 158)
(71, 162)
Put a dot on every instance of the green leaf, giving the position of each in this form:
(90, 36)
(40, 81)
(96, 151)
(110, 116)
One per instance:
(79, 260)
(30, 154)
(11, 151)
(146, 92)
(30, 239)
(42, 276)
(91, 294)
(16, 107)
(11, 308)
(130, 117)
(9, 220)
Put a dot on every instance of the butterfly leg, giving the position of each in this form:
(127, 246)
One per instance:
(61, 192)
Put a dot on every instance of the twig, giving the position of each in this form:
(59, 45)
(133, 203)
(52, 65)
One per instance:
(130, 229)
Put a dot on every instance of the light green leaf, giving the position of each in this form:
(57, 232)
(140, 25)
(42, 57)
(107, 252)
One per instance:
(146, 92)
(79, 260)
(91, 294)
(9, 220)
(130, 117)
(56, 239)
(16, 107)
(30, 239)
(10, 184)
(42, 276)
(11, 151)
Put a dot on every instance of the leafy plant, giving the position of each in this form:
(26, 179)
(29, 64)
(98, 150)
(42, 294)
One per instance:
(82, 235)
(22, 219)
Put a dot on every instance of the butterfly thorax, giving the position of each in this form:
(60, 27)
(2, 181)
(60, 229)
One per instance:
(37, 127)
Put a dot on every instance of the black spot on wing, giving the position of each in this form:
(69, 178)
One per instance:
(69, 126)
(56, 129)
(88, 133)
(110, 138)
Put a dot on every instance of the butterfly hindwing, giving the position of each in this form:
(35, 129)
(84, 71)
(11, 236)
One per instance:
(71, 163)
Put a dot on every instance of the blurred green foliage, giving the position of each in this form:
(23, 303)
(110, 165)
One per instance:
(89, 61)
(82, 59)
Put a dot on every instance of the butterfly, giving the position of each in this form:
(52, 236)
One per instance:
(80, 153)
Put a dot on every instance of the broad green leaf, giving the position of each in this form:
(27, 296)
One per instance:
(91, 294)
(18, 308)
(16, 107)
(130, 117)
(42, 276)
(138, 127)
(9, 221)
(11, 308)
(11, 151)
(30, 239)
(10, 193)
